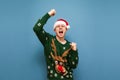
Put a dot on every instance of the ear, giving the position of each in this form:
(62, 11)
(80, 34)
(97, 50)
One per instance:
(66, 29)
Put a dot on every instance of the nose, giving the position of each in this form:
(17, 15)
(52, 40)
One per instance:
(60, 26)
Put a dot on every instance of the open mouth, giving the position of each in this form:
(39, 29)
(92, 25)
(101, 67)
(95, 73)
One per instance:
(60, 32)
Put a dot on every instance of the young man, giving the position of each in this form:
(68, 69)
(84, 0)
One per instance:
(61, 55)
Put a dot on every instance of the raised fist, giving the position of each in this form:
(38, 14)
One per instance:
(52, 12)
(73, 46)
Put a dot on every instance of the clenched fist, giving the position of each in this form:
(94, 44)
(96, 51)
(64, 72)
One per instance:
(73, 46)
(52, 12)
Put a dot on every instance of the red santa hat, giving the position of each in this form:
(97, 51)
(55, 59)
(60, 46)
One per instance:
(61, 21)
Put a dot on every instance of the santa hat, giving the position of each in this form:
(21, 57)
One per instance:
(61, 21)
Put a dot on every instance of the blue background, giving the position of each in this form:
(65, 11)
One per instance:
(95, 27)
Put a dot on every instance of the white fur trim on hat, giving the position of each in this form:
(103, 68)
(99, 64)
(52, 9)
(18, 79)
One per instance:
(60, 22)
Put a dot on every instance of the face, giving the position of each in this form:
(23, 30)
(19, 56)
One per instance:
(60, 30)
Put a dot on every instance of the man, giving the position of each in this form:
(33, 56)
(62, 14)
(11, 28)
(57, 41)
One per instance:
(61, 55)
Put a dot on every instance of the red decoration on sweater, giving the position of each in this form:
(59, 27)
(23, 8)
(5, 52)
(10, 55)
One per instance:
(60, 68)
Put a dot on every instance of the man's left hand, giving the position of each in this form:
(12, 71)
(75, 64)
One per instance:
(73, 46)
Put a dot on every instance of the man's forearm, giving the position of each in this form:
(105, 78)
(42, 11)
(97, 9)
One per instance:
(41, 22)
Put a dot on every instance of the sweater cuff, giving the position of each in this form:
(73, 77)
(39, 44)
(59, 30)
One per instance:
(44, 19)
(47, 15)
(74, 51)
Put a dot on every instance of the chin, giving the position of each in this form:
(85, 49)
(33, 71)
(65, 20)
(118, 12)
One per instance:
(60, 36)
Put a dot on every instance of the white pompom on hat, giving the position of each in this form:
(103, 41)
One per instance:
(61, 21)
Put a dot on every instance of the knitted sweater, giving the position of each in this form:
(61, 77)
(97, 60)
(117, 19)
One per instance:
(60, 59)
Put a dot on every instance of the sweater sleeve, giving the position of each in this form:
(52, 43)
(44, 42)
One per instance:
(73, 59)
(39, 31)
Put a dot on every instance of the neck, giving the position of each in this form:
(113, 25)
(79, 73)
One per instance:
(61, 39)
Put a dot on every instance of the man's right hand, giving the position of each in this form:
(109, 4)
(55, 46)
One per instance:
(52, 12)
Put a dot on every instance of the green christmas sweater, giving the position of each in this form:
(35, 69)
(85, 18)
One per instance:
(60, 58)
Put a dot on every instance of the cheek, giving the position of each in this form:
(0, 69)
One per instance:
(56, 30)
(65, 29)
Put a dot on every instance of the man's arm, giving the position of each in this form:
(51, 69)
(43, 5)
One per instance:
(73, 56)
(38, 28)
